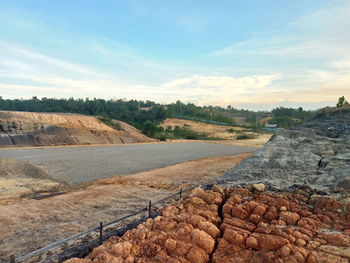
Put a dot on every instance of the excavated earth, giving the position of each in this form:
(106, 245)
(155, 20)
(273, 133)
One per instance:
(289, 203)
(38, 129)
(316, 154)
(237, 225)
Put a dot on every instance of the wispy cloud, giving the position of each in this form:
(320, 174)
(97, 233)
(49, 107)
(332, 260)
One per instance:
(306, 63)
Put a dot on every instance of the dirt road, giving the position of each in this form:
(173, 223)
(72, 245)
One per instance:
(76, 165)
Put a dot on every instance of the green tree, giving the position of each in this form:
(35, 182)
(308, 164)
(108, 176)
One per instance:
(342, 102)
(149, 128)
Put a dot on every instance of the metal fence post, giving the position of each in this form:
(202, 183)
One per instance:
(13, 259)
(101, 228)
(149, 208)
(180, 193)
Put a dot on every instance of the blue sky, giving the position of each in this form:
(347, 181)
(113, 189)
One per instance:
(249, 54)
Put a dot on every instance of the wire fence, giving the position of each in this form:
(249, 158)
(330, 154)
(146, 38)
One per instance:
(99, 227)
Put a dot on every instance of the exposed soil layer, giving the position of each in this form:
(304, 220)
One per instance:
(237, 225)
(37, 129)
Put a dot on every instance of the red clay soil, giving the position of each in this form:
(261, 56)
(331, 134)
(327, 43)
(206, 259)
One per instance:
(237, 225)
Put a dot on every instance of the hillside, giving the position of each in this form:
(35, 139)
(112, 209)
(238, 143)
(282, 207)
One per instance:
(228, 133)
(315, 154)
(39, 129)
(211, 130)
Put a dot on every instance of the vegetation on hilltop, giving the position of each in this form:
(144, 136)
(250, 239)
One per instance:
(147, 115)
(287, 117)
(342, 102)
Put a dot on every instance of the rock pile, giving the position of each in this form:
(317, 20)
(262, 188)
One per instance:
(286, 227)
(185, 232)
(251, 227)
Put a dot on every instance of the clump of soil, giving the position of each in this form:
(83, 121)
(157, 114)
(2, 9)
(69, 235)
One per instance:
(251, 226)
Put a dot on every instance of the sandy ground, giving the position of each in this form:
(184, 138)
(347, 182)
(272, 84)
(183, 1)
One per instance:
(31, 224)
(259, 141)
(66, 120)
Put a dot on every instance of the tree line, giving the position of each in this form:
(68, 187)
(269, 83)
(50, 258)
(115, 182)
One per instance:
(147, 115)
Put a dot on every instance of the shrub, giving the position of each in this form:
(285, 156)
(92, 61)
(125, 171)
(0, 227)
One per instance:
(111, 123)
(245, 137)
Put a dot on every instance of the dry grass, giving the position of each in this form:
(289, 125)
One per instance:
(211, 130)
(219, 131)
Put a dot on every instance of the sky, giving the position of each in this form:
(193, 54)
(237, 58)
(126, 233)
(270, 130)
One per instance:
(252, 54)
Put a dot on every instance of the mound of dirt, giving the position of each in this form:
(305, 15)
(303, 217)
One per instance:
(316, 154)
(237, 225)
(10, 167)
(32, 129)
(19, 178)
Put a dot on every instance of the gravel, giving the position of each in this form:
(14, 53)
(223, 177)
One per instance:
(76, 165)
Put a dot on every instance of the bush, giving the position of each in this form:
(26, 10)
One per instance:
(111, 123)
(149, 128)
(245, 137)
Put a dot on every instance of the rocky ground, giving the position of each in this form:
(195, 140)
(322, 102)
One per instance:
(237, 225)
(316, 154)
(289, 202)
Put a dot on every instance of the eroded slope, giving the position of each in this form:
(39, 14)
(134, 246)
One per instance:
(31, 129)
(316, 154)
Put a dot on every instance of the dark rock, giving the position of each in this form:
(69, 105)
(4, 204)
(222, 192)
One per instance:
(316, 153)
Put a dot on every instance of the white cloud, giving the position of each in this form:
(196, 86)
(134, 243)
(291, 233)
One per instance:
(38, 60)
(340, 64)
(37, 75)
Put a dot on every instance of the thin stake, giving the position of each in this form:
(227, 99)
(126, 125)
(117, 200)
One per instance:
(13, 259)
(149, 208)
(180, 193)
(101, 228)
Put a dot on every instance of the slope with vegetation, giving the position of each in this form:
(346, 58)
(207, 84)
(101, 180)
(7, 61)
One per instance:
(148, 115)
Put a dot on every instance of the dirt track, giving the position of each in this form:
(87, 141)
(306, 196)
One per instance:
(86, 164)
